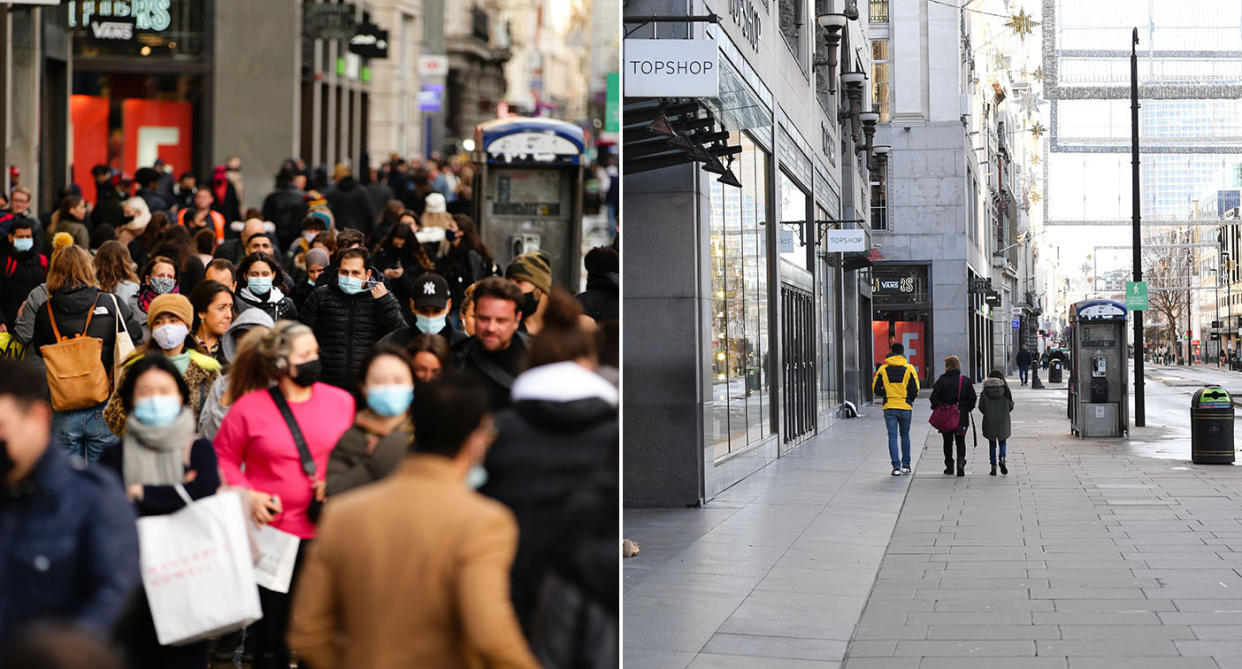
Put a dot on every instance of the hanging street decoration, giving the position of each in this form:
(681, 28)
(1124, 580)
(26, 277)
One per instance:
(1039, 73)
(1038, 130)
(1022, 24)
(1028, 103)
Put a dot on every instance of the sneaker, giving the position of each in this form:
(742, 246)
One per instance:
(905, 470)
(896, 472)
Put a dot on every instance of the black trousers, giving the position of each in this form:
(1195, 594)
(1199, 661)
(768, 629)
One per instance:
(270, 649)
(949, 439)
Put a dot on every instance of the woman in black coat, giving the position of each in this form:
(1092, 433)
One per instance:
(953, 387)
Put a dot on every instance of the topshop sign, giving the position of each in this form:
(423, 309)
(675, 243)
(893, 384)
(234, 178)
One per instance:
(656, 68)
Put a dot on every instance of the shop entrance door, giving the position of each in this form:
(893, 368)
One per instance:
(798, 339)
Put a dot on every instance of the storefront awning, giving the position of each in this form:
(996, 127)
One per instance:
(665, 132)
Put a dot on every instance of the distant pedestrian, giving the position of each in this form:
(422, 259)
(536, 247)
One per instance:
(954, 388)
(1024, 364)
(897, 382)
(996, 403)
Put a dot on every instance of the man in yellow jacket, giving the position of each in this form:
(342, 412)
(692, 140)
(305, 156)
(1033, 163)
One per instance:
(898, 383)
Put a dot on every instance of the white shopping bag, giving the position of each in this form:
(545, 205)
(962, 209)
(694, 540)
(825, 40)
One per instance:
(277, 552)
(197, 571)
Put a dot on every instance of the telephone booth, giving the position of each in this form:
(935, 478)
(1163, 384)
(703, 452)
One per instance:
(529, 191)
(1099, 394)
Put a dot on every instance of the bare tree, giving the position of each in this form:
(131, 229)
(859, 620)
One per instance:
(1167, 272)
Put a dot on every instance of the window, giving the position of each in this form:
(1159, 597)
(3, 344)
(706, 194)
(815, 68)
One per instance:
(794, 233)
(827, 306)
(880, 80)
(879, 11)
(741, 405)
(879, 198)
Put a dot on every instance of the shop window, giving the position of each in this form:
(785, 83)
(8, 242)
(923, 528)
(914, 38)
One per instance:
(880, 78)
(794, 232)
(829, 393)
(741, 405)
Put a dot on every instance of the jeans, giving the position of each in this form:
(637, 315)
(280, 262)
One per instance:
(992, 450)
(898, 423)
(82, 432)
(1022, 374)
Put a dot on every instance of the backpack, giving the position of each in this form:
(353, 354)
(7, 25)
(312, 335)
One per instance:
(75, 371)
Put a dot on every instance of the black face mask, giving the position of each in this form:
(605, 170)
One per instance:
(308, 373)
(529, 304)
(6, 465)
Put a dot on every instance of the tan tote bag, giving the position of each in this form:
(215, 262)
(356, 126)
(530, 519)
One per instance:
(75, 371)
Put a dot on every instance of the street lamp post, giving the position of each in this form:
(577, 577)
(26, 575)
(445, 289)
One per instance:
(1140, 410)
(1219, 338)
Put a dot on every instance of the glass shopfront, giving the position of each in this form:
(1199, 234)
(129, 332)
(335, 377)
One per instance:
(794, 231)
(829, 392)
(901, 295)
(741, 401)
(141, 93)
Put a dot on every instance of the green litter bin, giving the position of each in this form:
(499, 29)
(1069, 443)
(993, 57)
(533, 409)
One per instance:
(1211, 426)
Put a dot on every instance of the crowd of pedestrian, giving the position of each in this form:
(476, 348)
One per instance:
(434, 432)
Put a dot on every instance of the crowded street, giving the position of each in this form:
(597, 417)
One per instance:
(323, 376)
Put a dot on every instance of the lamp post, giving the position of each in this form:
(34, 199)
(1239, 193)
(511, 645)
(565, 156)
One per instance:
(1140, 408)
(853, 90)
(1219, 338)
(832, 24)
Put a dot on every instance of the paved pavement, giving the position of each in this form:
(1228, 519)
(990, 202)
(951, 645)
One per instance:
(1089, 554)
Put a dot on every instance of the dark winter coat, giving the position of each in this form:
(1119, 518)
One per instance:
(20, 273)
(108, 209)
(71, 307)
(365, 455)
(1024, 358)
(285, 207)
(155, 201)
(995, 403)
(351, 206)
(945, 392)
(560, 432)
(277, 305)
(496, 370)
(402, 338)
(347, 326)
(462, 269)
(600, 300)
(68, 548)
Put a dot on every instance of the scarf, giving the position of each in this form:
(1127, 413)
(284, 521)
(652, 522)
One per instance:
(146, 295)
(156, 455)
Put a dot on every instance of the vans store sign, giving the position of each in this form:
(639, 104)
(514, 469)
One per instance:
(658, 68)
(107, 18)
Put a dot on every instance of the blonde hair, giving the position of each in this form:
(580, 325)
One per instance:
(71, 266)
(952, 362)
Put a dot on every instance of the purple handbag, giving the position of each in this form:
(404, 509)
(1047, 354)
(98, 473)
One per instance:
(948, 417)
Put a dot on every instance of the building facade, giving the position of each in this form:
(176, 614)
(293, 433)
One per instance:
(744, 331)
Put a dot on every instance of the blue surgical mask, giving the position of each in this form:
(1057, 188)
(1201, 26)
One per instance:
(476, 477)
(259, 285)
(349, 285)
(157, 410)
(162, 285)
(430, 324)
(23, 244)
(390, 400)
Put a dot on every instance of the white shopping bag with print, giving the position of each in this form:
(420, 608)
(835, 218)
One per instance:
(278, 551)
(197, 570)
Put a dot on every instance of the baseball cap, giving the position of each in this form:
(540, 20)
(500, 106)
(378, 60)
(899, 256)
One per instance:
(430, 290)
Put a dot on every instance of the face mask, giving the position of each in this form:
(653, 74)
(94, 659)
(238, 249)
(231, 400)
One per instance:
(259, 285)
(157, 410)
(170, 336)
(430, 324)
(529, 304)
(390, 400)
(349, 285)
(23, 244)
(6, 465)
(309, 236)
(162, 285)
(310, 281)
(476, 477)
(450, 235)
(308, 373)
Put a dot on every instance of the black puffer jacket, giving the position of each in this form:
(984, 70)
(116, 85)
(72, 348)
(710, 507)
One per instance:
(560, 432)
(347, 326)
(277, 305)
(72, 306)
(600, 299)
(351, 206)
(20, 272)
(946, 391)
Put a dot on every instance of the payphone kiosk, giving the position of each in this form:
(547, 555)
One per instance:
(528, 191)
(1099, 396)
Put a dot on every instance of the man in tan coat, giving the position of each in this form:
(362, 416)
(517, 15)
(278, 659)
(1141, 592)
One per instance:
(413, 570)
